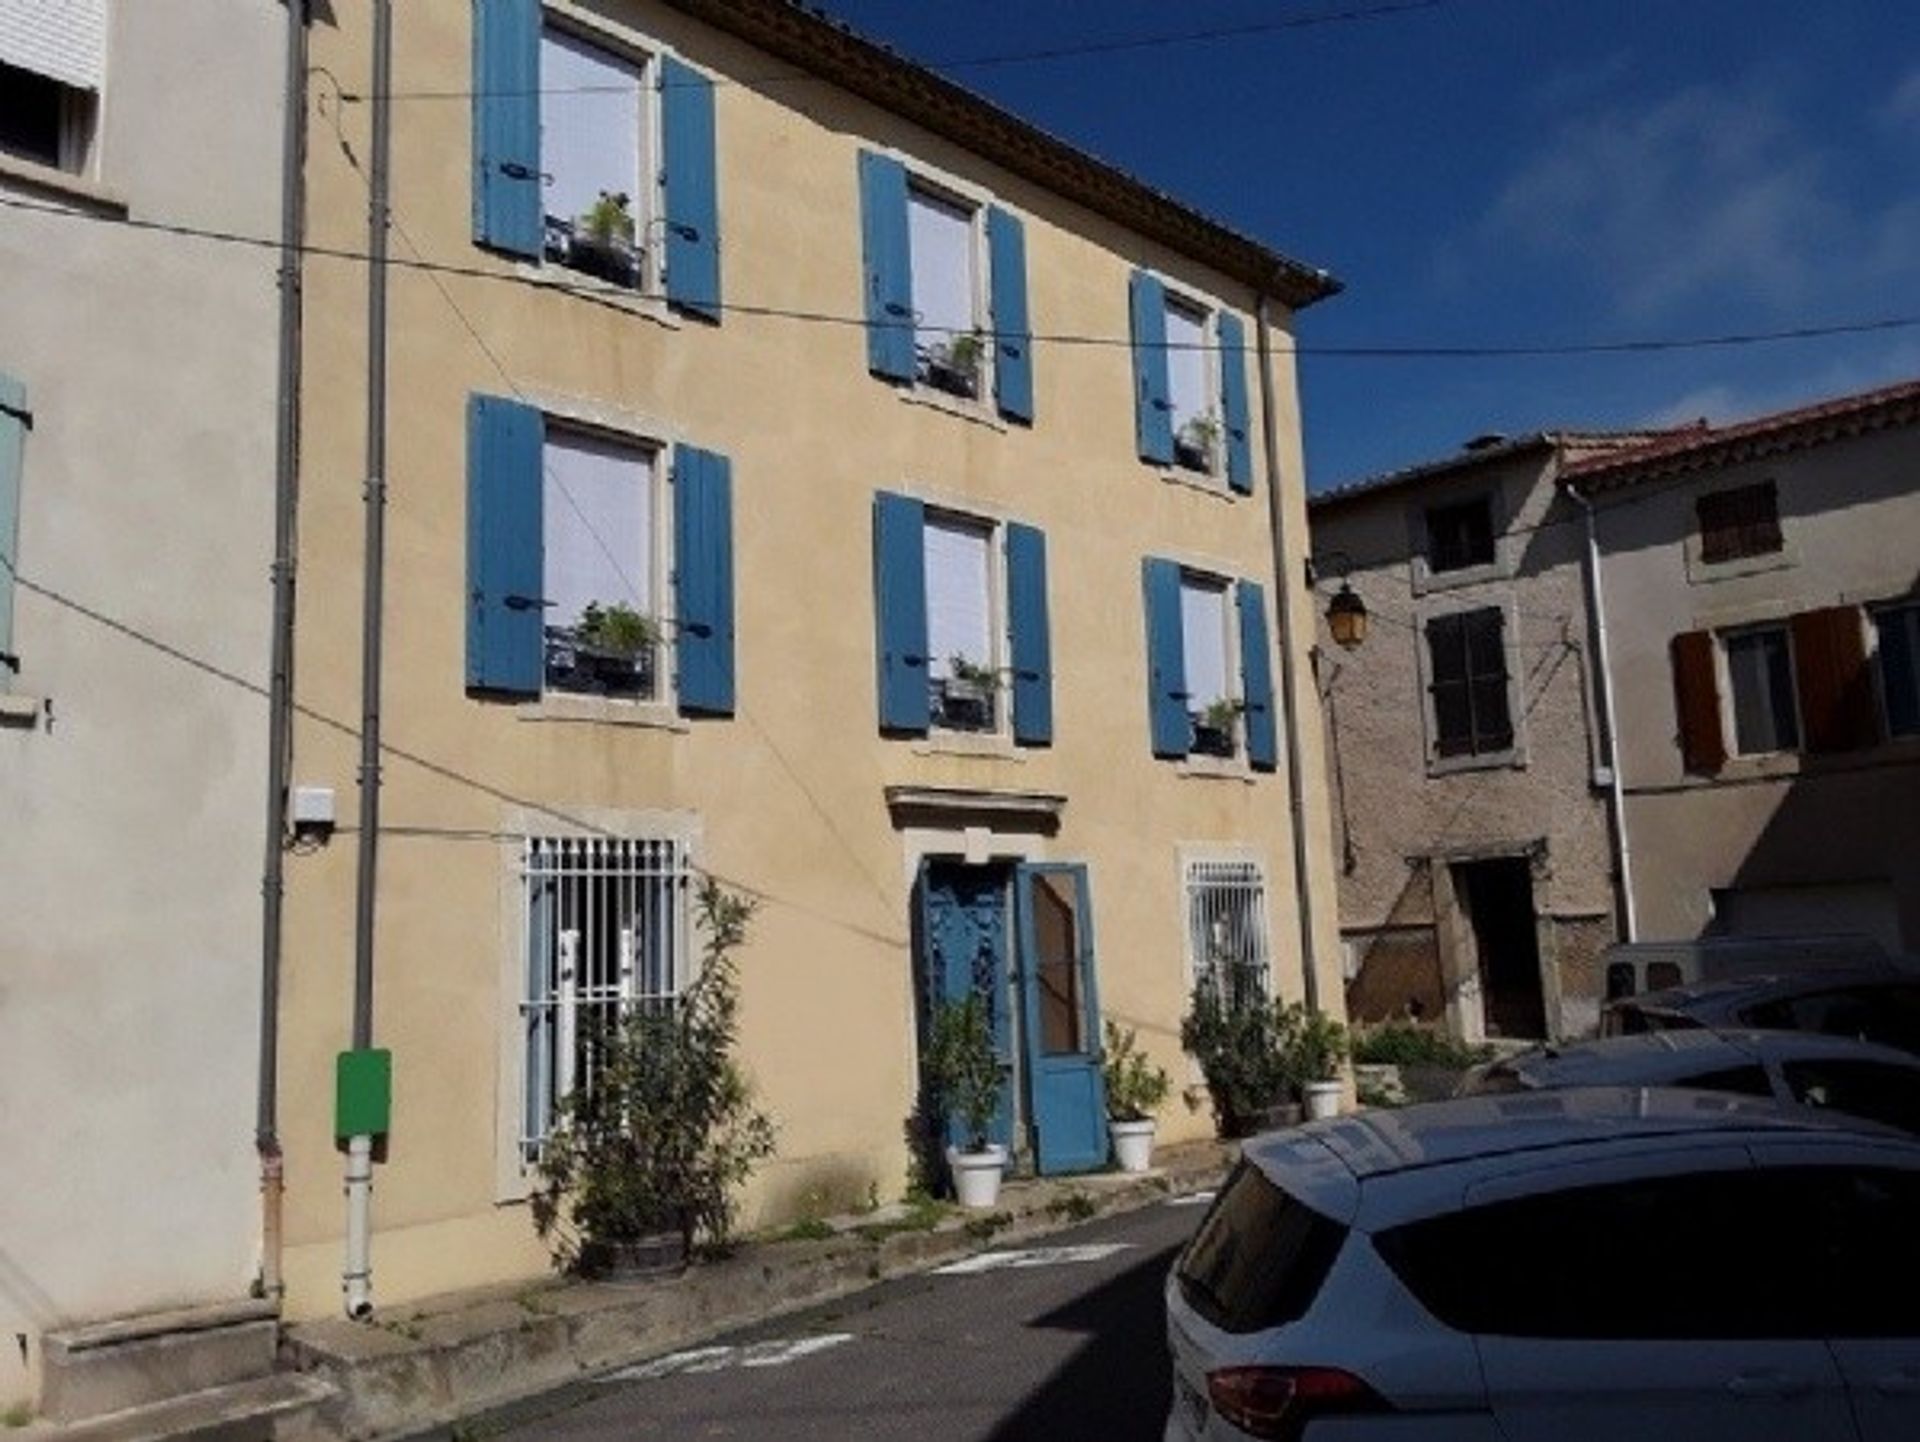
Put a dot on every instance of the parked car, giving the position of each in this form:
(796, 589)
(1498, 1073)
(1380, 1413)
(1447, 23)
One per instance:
(1872, 1003)
(1796, 1068)
(1571, 1266)
(1633, 967)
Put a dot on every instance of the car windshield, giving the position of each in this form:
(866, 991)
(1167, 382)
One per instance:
(1259, 1257)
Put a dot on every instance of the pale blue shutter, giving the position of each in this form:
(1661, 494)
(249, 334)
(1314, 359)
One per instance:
(1152, 400)
(900, 610)
(889, 266)
(13, 445)
(506, 126)
(703, 580)
(1032, 643)
(506, 637)
(1233, 403)
(692, 199)
(1013, 335)
(1166, 660)
(1256, 678)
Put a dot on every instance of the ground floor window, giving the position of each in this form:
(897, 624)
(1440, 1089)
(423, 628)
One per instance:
(1227, 934)
(608, 925)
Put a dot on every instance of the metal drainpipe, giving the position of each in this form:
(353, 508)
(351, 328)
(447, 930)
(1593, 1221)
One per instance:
(1597, 596)
(356, 1278)
(1283, 603)
(286, 475)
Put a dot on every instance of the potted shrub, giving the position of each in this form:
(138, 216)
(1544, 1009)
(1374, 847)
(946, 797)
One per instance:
(963, 1072)
(644, 1159)
(602, 241)
(954, 365)
(966, 695)
(1135, 1090)
(1195, 442)
(613, 647)
(1315, 1048)
(1237, 1044)
(1213, 733)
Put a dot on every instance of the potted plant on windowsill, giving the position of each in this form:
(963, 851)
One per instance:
(1213, 728)
(645, 1158)
(1315, 1047)
(1135, 1090)
(1197, 442)
(966, 694)
(602, 242)
(953, 366)
(963, 1073)
(613, 647)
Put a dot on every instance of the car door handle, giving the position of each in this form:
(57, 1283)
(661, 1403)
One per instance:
(1778, 1385)
(1897, 1384)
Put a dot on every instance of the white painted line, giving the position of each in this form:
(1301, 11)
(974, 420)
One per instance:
(1031, 1257)
(1191, 1199)
(719, 1359)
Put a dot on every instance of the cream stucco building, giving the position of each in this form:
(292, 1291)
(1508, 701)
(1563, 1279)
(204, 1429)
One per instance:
(752, 514)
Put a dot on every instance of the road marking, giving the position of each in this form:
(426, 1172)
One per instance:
(1031, 1257)
(720, 1359)
(1191, 1199)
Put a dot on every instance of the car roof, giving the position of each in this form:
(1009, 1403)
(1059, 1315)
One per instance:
(1656, 1057)
(1764, 986)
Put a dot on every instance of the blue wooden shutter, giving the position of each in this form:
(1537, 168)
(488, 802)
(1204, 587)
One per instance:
(703, 580)
(506, 639)
(889, 266)
(900, 610)
(1032, 643)
(1166, 660)
(692, 200)
(13, 446)
(1152, 400)
(1013, 334)
(507, 211)
(1233, 403)
(1256, 678)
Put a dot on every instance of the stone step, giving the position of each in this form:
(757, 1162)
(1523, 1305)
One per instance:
(126, 1362)
(238, 1412)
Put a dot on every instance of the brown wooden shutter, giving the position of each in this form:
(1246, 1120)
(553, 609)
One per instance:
(1703, 743)
(1837, 710)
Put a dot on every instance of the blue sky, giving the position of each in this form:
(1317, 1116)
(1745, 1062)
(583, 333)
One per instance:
(1489, 172)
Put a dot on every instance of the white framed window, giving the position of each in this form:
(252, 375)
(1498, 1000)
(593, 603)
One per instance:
(1228, 935)
(1193, 385)
(1896, 631)
(966, 630)
(607, 926)
(52, 60)
(598, 123)
(947, 245)
(1760, 690)
(1213, 684)
(604, 531)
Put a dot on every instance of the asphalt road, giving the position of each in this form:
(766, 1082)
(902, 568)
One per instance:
(1052, 1343)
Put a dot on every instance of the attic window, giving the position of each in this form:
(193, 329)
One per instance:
(1460, 536)
(1739, 523)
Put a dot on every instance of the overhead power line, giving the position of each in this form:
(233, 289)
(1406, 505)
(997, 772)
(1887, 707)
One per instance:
(605, 295)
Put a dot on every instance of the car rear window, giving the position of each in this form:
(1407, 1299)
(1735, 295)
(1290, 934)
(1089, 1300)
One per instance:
(1259, 1257)
(1626, 1019)
(1747, 1080)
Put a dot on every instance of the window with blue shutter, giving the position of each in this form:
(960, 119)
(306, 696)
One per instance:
(1256, 679)
(15, 418)
(1171, 728)
(692, 197)
(1013, 335)
(703, 580)
(506, 126)
(889, 266)
(1153, 407)
(1032, 640)
(1234, 410)
(900, 611)
(505, 607)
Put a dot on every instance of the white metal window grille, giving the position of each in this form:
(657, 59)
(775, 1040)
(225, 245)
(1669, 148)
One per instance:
(608, 925)
(1227, 929)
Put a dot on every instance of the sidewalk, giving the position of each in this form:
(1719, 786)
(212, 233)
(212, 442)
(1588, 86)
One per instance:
(428, 1363)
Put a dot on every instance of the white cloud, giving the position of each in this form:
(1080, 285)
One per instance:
(1903, 106)
(1722, 402)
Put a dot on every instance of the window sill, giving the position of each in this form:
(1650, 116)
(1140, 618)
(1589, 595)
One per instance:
(16, 173)
(1427, 583)
(1215, 768)
(1513, 759)
(991, 746)
(22, 712)
(1215, 485)
(649, 715)
(1705, 573)
(644, 304)
(978, 412)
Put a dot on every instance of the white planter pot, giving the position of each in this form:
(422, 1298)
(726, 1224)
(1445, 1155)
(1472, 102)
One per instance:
(976, 1176)
(1323, 1100)
(1132, 1144)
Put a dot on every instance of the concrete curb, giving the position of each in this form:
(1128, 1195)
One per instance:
(468, 1353)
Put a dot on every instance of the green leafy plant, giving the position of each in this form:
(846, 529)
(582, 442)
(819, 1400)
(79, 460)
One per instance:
(1201, 432)
(609, 219)
(1313, 1045)
(667, 1130)
(1237, 1044)
(969, 672)
(962, 1067)
(1135, 1086)
(1220, 714)
(1398, 1043)
(617, 628)
(964, 353)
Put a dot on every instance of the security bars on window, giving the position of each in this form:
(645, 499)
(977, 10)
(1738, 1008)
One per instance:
(607, 929)
(1227, 929)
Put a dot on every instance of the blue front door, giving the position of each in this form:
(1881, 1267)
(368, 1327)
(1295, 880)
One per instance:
(1059, 996)
(964, 948)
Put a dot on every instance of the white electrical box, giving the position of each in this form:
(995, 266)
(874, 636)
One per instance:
(312, 808)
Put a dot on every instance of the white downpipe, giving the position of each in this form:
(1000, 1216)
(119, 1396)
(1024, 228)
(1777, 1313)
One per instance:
(357, 1276)
(1622, 851)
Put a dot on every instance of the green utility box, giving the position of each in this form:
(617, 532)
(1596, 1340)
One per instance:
(362, 1093)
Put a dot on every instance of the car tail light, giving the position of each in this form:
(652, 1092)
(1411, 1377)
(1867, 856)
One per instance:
(1279, 1402)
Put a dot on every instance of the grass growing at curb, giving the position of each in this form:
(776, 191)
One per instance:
(18, 1415)
(923, 1215)
(807, 1229)
(982, 1229)
(1073, 1207)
